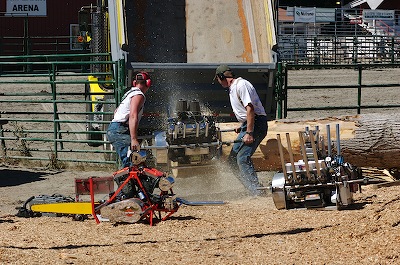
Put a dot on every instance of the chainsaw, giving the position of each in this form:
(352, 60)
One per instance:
(143, 194)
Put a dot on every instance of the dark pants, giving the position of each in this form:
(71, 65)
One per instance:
(118, 135)
(240, 155)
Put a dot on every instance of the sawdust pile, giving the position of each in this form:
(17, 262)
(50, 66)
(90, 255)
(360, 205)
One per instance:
(244, 231)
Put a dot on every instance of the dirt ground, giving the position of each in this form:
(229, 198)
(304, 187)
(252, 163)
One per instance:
(245, 230)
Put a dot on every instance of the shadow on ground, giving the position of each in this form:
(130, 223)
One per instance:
(11, 177)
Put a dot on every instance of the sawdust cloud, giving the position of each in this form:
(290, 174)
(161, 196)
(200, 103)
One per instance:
(216, 182)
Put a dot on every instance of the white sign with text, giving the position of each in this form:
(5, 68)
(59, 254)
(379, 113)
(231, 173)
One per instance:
(304, 14)
(378, 14)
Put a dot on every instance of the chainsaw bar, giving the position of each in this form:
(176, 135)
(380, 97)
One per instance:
(64, 208)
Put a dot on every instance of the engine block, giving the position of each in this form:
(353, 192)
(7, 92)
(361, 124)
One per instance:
(190, 126)
(320, 179)
(192, 136)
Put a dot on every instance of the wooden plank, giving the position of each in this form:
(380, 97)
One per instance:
(386, 184)
(377, 173)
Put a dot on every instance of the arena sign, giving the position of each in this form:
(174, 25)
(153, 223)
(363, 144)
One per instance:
(30, 8)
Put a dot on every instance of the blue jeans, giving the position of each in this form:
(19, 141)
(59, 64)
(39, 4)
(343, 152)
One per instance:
(118, 135)
(240, 155)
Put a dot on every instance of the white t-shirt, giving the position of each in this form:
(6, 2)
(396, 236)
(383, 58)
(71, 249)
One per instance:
(122, 113)
(241, 94)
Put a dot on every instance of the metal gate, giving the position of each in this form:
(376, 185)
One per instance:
(46, 108)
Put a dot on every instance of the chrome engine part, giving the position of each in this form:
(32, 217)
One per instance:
(191, 135)
(320, 179)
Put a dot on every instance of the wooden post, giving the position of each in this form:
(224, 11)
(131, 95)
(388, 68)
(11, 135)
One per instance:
(304, 154)
(315, 153)
(278, 137)
(291, 155)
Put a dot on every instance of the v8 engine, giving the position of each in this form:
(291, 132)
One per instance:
(193, 137)
(320, 179)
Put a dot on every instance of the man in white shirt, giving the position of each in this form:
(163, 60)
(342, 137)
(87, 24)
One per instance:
(122, 132)
(248, 109)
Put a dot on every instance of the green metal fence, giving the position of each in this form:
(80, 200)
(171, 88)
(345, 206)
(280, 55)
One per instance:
(325, 90)
(339, 49)
(47, 108)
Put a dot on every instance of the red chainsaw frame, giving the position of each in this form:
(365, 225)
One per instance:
(149, 208)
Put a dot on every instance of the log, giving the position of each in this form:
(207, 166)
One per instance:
(376, 141)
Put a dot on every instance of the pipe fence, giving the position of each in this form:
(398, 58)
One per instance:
(46, 111)
(326, 90)
(50, 111)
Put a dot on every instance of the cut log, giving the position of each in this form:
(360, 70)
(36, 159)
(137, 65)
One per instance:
(376, 141)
